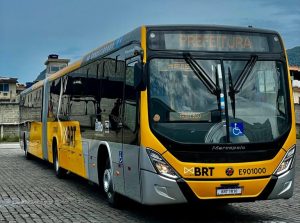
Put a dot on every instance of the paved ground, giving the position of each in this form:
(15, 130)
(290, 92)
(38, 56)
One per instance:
(30, 192)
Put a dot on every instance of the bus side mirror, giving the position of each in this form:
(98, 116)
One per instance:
(140, 78)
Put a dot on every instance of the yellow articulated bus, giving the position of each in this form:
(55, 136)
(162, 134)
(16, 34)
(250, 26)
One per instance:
(171, 114)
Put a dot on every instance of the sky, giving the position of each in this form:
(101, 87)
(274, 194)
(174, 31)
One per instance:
(30, 30)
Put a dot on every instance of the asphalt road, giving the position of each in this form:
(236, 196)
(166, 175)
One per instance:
(30, 192)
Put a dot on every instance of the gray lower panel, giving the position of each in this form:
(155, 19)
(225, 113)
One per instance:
(114, 156)
(85, 150)
(145, 163)
(144, 185)
(157, 190)
(131, 164)
(284, 186)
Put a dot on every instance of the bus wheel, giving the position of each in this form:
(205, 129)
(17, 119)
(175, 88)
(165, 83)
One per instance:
(114, 199)
(27, 155)
(60, 172)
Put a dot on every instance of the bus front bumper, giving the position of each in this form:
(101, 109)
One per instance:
(284, 187)
(158, 190)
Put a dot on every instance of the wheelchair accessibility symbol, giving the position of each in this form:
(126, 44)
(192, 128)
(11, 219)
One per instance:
(237, 129)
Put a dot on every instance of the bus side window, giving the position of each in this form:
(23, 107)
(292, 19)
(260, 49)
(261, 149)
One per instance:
(53, 100)
(77, 90)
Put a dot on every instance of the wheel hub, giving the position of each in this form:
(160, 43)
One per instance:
(106, 180)
(56, 164)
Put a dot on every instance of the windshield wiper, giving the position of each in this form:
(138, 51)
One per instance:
(245, 74)
(231, 92)
(201, 74)
(233, 89)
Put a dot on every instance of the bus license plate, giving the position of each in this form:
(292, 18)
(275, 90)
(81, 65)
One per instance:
(221, 191)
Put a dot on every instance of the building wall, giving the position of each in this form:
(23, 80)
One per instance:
(297, 113)
(9, 132)
(9, 120)
(296, 94)
(9, 113)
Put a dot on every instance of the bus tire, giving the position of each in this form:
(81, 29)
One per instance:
(114, 199)
(27, 154)
(59, 172)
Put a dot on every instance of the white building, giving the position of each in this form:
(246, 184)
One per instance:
(8, 89)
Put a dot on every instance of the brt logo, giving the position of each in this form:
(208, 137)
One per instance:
(69, 135)
(198, 171)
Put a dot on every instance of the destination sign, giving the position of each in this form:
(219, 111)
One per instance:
(213, 41)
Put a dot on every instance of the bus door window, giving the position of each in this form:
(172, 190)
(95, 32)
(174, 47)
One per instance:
(131, 149)
(130, 105)
(112, 83)
(114, 116)
(93, 92)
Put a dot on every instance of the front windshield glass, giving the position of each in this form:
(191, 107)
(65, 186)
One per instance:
(182, 109)
(259, 113)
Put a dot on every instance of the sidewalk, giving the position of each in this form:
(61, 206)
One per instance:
(10, 145)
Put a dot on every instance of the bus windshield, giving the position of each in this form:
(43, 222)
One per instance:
(183, 109)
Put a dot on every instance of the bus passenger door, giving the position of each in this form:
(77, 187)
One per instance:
(131, 149)
(111, 72)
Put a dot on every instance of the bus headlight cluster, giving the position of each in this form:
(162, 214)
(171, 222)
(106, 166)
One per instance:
(287, 162)
(161, 166)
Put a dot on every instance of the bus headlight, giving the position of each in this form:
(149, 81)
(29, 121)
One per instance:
(161, 166)
(287, 162)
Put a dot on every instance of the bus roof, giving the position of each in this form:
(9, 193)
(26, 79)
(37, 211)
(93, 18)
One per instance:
(59, 73)
(34, 86)
(135, 36)
(211, 28)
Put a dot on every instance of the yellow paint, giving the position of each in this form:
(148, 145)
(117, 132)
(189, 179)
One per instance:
(291, 140)
(35, 139)
(70, 151)
(207, 189)
(147, 137)
(219, 170)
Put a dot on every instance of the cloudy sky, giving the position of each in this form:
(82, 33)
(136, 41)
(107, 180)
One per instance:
(30, 30)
